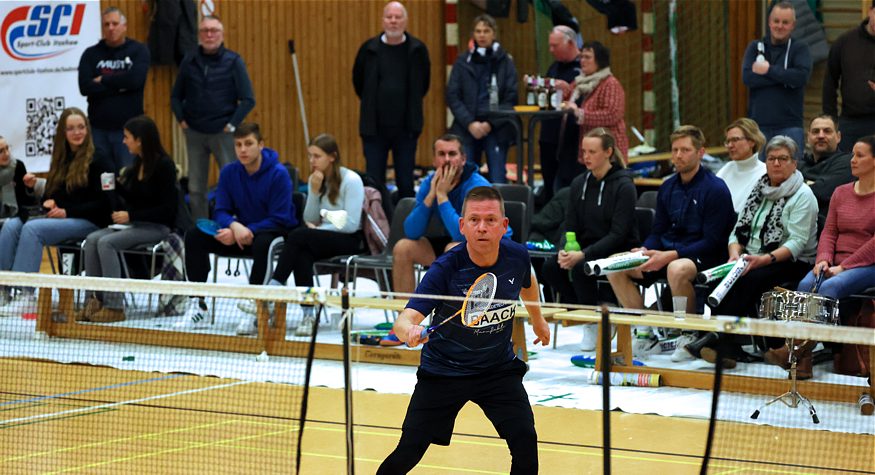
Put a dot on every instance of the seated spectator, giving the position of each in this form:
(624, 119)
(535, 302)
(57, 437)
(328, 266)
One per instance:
(468, 98)
(776, 234)
(74, 206)
(14, 195)
(441, 193)
(743, 142)
(598, 99)
(332, 187)
(147, 207)
(825, 167)
(253, 207)
(846, 251)
(601, 213)
(693, 220)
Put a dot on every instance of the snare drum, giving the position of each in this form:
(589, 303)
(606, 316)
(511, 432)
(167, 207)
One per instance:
(793, 306)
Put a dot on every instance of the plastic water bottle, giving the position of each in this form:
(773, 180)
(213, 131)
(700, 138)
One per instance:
(571, 245)
(493, 93)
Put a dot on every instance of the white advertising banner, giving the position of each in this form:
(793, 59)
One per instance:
(42, 43)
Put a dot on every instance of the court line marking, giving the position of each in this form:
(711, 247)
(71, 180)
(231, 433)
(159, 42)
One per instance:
(89, 390)
(123, 403)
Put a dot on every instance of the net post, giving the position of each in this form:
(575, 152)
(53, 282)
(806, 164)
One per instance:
(606, 389)
(347, 380)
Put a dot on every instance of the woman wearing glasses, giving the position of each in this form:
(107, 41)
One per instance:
(743, 143)
(776, 233)
(73, 202)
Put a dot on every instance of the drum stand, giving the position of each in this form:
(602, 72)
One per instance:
(791, 398)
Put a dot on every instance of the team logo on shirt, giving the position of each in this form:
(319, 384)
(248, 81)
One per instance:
(495, 319)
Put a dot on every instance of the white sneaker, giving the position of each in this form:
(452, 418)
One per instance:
(680, 352)
(305, 328)
(20, 304)
(248, 326)
(195, 317)
(645, 347)
(249, 306)
(590, 337)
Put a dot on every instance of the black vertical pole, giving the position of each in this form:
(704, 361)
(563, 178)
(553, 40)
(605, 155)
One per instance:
(606, 389)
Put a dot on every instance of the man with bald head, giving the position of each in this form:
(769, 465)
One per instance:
(559, 160)
(391, 76)
(112, 76)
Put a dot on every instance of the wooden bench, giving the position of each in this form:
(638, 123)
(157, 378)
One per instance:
(621, 360)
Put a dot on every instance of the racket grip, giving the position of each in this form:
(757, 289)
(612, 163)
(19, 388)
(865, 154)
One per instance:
(426, 332)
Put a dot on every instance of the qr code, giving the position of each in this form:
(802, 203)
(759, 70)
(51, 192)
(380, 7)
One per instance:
(42, 118)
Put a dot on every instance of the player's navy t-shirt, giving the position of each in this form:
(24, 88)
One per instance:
(457, 350)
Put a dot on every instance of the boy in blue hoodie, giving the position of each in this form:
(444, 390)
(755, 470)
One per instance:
(253, 207)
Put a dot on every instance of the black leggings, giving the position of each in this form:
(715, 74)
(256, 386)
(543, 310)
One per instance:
(199, 246)
(304, 246)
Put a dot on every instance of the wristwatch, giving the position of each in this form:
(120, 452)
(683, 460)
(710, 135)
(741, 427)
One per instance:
(774, 259)
(231, 127)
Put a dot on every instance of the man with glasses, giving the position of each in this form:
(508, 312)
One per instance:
(825, 167)
(694, 217)
(210, 98)
(112, 76)
(743, 142)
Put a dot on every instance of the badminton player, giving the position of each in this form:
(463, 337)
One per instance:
(461, 363)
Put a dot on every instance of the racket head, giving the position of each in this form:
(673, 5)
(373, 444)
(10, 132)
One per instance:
(208, 226)
(478, 299)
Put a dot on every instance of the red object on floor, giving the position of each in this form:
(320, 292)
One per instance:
(29, 316)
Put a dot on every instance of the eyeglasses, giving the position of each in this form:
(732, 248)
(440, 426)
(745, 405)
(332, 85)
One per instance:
(210, 31)
(779, 158)
(733, 140)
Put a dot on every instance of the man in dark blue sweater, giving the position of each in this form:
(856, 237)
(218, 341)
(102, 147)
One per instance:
(210, 98)
(112, 76)
(694, 216)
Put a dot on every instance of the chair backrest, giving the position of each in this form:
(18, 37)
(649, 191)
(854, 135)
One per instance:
(516, 216)
(644, 217)
(300, 200)
(518, 192)
(396, 226)
(647, 200)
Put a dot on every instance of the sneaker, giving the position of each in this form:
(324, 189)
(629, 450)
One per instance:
(92, 306)
(680, 352)
(195, 317)
(247, 326)
(250, 307)
(710, 355)
(108, 315)
(305, 328)
(590, 337)
(22, 303)
(645, 347)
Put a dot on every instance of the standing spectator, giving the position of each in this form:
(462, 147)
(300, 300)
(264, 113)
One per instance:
(73, 203)
(112, 75)
(598, 99)
(601, 213)
(391, 76)
(149, 191)
(332, 187)
(743, 142)
(851, 70)
(693, 221)
(468, 97)
(560, 159)
(826, 167)
(776, 69)
(253, 207)
(210, 98)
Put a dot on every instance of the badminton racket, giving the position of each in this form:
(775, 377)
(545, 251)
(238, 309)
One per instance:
(477, 301)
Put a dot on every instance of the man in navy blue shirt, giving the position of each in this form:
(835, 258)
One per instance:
(694, 216)
(460, 363)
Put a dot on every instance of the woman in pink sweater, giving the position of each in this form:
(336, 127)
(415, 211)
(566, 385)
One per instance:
(598, 99)
(846, 252)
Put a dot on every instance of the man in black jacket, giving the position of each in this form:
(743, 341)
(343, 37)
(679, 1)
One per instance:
(826, 167)
(112, 76)
(391, 76)
(210, 98)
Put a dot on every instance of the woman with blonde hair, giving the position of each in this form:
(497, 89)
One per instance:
(743, 142)
(73, 202)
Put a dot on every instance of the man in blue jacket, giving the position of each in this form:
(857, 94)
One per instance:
(210, 98)
(253, 207)
(775, 70)
(694, 216)
(112, 76)
(441, 194)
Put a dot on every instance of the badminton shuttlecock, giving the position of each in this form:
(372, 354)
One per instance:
(337, 217)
